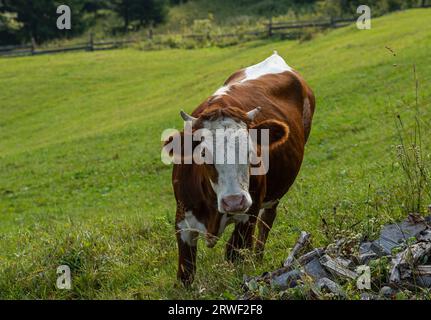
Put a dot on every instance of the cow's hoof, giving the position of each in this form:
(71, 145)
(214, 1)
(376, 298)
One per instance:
(186, 280)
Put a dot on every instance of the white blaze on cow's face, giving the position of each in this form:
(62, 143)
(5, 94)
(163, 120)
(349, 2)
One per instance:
(231, 161)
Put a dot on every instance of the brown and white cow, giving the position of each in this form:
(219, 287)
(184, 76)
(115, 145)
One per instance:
(269, 95)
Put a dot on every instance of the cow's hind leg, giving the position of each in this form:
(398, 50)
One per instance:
(264, 225)
(241, 238)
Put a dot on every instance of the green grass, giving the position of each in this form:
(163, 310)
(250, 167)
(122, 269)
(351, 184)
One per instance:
(81, 181)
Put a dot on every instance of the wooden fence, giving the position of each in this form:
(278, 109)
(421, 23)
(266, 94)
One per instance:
(276, 27)
(25, 50)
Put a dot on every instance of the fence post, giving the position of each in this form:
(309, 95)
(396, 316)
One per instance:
(33, 46)
(91, 42)
(150, 31)
(332, 22)
(270, 27)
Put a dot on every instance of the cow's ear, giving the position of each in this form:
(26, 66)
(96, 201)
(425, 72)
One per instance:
(277, 131)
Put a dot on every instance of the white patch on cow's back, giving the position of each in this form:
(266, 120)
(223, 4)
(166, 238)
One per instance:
(190, 228)
(272, 65)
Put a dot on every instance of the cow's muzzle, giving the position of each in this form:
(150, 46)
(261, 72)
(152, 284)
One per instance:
(236, 203)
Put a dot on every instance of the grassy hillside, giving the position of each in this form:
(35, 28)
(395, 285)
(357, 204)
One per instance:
(82, 184)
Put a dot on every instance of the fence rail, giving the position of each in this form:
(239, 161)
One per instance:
(225, 35)
(22, 50)
(19, 47)
(326, 23)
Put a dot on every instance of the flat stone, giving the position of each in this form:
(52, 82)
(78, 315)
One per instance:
(346, 263)
(399, 232)
(425, 236)
(315, 270)
(331, 286)
(423, 276)
(336, 269)
(423, 281)
(366, 258)
(406, 262)
(394, 235)
(387, 292)
(366, 254)
(303, 240)
(365, 247)
(383, 247)
(286, 280)
(315, 253)
(368, 296)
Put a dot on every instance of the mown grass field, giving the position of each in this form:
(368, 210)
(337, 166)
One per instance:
(82, 184)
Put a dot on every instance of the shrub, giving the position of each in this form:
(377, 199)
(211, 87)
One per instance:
(415, 183)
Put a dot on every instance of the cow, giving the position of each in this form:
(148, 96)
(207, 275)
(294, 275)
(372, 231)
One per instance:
(269, 95)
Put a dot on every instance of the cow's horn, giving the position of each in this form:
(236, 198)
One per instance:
(187, 117)
(253, 113)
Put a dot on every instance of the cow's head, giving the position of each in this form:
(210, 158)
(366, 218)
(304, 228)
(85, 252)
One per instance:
(230, 178)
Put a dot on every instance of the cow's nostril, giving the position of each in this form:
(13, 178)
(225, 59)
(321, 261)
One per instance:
(224, 203)
(233, 202)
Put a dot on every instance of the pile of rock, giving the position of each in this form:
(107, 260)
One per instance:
(406, 244)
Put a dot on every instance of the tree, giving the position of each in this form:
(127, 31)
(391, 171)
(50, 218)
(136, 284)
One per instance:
(123, 9)
(9, 26)
(177, 2)
(38, 18)
(148, 12)
(143, 11)
(93, 6)
(379, 7)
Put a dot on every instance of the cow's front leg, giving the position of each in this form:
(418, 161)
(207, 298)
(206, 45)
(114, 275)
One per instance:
(187, 245)
(264, 225)
(241, 238)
